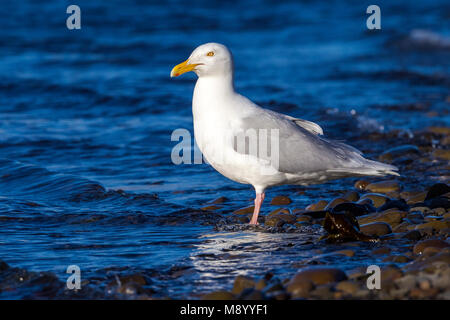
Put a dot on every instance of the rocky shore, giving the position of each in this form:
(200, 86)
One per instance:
(403, 223)
(408, 218)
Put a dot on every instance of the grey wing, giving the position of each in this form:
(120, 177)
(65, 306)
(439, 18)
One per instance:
(305, 124)
(298, 149)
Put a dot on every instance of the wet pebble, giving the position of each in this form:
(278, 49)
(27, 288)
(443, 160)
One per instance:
(361, 184)
(218, 295)
(398, 204)
(437, 190)
(413, 235)
(261, 284)
(400, 151)
(442, 154)
(219, 200)
(351, 196)
(320, 275)
(333, 203)
(380, 251)
(322, 292)
(346, 252)
(400, 259)
(318, 206)
(356, 209)
(251, 294)
(245, 210)
(389, 274)
(392, 216)
(347, 287)
(420, 246)
(383, 186)
(376, 229)
(280, 201)
(435, 225)
(303, 218)
(377, 199)
(210, 208)
(414, 197)
(241, 283)
(299, 288)
(274, 221)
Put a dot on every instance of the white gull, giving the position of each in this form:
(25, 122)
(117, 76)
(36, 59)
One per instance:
(257, 146)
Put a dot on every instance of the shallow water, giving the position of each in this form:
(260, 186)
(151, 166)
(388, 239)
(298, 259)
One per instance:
(86, 117)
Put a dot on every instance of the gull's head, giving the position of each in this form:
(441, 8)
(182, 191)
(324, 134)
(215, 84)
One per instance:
(210, 59)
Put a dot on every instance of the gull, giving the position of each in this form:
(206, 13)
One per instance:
(252, 145)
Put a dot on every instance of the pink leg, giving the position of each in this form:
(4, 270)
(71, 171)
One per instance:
(258, 202)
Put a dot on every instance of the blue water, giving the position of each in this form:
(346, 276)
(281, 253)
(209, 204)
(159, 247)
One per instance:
(86, 117)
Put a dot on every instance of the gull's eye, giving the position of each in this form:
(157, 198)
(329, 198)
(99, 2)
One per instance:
(210, 54)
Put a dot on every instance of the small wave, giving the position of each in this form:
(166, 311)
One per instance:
(31, 182)
(423, 39)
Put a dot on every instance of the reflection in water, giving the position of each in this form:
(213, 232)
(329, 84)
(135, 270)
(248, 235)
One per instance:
(223, 256)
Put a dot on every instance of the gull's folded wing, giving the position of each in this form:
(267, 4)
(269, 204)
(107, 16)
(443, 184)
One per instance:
(308, 125)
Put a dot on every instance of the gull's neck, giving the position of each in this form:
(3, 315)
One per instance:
(212, 88)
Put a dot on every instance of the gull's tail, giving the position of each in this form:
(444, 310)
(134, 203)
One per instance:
(356, 165)
(370, 168)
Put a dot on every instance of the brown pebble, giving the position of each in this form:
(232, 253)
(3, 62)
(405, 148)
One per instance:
(416, 197)
(442, 154)
(299, 289)
(361, 184)
(261, 284)
(241, 283)
(391, 273)
(365, 201)
(383, 186)
(210, 208)
(218, 295)
(346, 252)
(348, 287)
(134, 278)
(274, 221)
(280, 201)
(320, 275)
(351, 196)
(318, 206)
(402, 227)
(435, 225)
(288, 218)
(424, 210)
(400, 259)
(425, 284)
(431, 251)
(438, 211)
(417, 293)
(323, 292)
(333, 203)
(380, 251)
(219, 200)
(376, 229)
(420, 246)
(377, 199)
(392, 217)
(279, 211)
(303, 218)
(440, 130)
(245, 210)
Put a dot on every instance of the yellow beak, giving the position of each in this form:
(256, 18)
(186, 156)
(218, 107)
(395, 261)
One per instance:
(181, 68)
